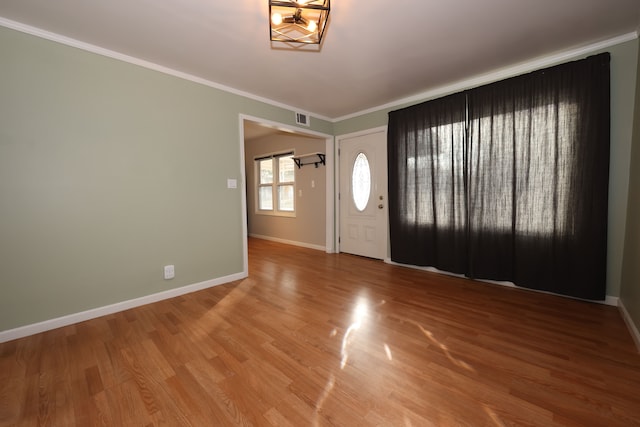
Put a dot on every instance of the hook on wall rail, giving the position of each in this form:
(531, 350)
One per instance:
(309, 159)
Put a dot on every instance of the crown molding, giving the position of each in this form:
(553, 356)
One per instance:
(68, 41)
(499, 74)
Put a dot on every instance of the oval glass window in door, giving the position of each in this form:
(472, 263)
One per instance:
(361, 182)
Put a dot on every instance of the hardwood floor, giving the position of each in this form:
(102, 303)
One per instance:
(311, 339)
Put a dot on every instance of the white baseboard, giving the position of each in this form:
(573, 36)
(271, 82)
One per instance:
(633, 329)
(609, 300)
(289, 242)
(82, 316)
(613, 301)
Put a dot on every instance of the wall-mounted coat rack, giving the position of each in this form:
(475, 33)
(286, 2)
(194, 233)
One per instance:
(309, 159)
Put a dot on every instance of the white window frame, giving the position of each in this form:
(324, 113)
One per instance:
(275, 184)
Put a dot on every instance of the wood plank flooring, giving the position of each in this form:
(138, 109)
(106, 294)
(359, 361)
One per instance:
(311, 339)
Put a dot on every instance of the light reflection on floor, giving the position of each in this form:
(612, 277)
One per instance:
(494, 417)
(215, 316)
(387, 350)
(441, 346)
(328, 387)
(360, 313)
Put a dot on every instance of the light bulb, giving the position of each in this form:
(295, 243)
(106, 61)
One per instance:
(276, 18)
(312, 26)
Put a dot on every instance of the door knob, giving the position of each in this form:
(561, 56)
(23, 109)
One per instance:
(380, 206)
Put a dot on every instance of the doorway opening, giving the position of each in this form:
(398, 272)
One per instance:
(265, 148)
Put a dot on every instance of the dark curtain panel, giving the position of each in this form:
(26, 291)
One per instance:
(527, 179)
(427, 201)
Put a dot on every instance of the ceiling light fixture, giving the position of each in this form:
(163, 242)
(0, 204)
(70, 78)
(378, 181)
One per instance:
(302, 21)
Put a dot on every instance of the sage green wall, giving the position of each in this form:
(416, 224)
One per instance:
(630, 292)
(623, 81)
(624, 65)
(108, 172)
(309, 224)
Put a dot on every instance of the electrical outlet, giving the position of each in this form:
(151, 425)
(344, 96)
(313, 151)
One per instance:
(169, 272)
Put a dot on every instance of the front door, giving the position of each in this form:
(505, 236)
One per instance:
(363, 194)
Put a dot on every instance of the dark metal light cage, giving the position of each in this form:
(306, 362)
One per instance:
(298, 21)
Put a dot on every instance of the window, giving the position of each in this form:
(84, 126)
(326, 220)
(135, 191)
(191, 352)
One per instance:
(275, 184)
(490, 182)
(507, 181)
(361, 182)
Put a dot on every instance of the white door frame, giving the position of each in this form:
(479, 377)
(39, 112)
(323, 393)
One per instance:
(330, 242)
(339, 139)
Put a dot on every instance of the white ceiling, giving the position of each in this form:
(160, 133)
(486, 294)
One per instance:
(375, 52)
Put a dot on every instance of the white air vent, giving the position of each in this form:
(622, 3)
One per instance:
(302, 119)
